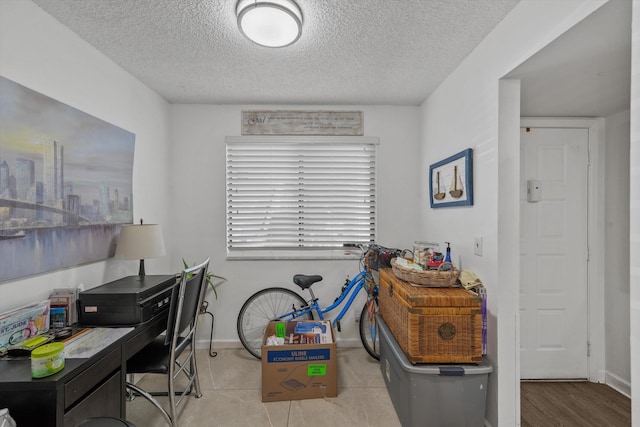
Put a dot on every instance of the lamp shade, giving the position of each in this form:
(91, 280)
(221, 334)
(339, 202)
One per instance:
(270, 23)
(140, 241)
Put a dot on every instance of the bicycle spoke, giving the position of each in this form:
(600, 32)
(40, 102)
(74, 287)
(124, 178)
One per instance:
(261, 308)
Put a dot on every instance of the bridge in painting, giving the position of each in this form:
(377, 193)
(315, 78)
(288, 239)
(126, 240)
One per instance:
(70, 218)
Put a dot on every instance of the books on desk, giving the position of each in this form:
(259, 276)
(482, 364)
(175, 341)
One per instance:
(66, 298)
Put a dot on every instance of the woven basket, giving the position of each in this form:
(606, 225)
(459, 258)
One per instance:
(432, 325)
(430, 278)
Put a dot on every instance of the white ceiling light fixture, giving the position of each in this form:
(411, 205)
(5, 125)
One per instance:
(270, 23)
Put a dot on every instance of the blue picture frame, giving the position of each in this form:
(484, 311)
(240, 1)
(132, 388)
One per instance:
(451, 181)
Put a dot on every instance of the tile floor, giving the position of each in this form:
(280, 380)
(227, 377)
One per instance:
(231, 387)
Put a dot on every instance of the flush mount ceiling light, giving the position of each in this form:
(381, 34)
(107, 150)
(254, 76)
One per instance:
(270, 23)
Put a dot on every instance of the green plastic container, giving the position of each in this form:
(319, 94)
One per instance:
(47, 360)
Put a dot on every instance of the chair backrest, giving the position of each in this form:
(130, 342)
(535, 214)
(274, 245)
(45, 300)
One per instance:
(186, 299)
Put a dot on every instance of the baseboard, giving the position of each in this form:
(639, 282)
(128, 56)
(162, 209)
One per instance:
(204, 343)
(619, 384)
(355, 342)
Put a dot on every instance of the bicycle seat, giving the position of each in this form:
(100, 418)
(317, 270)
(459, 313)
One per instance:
(304, 281)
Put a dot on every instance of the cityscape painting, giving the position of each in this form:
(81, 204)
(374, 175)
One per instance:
(65, 184)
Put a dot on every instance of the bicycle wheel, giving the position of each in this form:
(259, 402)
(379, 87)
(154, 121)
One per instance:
(369, 329)
(262, 307)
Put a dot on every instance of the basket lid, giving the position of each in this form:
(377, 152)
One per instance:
(428, 297)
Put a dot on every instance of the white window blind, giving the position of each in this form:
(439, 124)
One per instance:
(300, 192)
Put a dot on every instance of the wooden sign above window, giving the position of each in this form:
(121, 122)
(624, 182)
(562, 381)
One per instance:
(278, 122)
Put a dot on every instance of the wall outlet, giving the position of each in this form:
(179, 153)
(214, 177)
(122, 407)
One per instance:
(477, 245)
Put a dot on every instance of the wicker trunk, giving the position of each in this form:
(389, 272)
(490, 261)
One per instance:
(432, 325)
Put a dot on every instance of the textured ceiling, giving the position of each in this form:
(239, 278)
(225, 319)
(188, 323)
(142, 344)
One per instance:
(387, 52)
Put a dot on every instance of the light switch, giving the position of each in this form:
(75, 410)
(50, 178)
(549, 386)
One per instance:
(477, 245)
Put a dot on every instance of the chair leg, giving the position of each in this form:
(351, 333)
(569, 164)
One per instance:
(130, 394)
(154, 402)
(172, 399)
(194, 372)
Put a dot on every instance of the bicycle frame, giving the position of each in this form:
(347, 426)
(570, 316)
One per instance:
(269, 304)
(352, 289)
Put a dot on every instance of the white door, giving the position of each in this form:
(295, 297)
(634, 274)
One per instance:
(553, 263)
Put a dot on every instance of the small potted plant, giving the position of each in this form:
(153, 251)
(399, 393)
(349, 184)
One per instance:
(209, 278)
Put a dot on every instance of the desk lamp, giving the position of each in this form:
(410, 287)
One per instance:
(140, 241)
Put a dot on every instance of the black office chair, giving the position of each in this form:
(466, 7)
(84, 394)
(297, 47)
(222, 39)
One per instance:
(164, 355)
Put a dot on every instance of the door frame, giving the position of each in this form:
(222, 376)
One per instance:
(595, 233)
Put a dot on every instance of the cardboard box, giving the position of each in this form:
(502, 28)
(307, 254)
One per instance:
(298, 371)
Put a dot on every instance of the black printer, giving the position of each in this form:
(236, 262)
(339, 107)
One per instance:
(125, 302)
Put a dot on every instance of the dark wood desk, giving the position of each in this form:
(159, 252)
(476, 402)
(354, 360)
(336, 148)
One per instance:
(85, 388)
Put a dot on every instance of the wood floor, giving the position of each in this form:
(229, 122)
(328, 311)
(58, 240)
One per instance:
(583, 404)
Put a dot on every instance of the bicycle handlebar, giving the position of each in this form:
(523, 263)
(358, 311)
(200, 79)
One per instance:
(366, 248)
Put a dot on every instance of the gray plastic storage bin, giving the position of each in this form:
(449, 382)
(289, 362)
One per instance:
(431, 394)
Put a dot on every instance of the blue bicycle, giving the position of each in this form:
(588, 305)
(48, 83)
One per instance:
(284, 304)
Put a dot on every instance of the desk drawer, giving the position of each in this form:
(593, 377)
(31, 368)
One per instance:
(101, 402)
(83, 383)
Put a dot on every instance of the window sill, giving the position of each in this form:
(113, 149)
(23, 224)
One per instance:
(344, 254)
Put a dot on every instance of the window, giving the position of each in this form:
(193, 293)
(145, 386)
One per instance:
(299, 194)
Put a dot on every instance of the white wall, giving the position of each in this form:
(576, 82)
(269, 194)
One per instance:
(634, 216)
(616, 252)
(198, 165)
(464, 112)
(38, 52)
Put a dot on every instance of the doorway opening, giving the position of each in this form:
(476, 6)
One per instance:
(561, 300)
